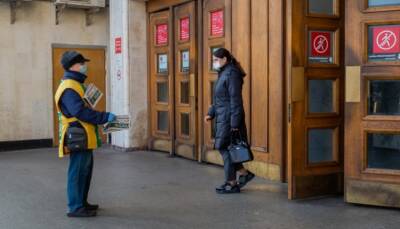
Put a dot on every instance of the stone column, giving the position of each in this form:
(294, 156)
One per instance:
(128, 71)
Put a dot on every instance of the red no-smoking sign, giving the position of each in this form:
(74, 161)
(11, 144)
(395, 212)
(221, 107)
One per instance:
(386, 39)
(320, 44)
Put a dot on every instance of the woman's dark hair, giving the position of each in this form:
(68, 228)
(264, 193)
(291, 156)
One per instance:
(222, 52)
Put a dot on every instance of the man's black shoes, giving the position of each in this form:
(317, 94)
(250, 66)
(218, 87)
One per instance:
(82, 212)
(91, 207)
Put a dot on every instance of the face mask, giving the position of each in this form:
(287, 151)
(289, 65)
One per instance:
(216, 65)
(83, 69)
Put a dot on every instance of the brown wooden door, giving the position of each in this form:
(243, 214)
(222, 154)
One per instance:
(161, 82)
(96, 75)
(173, 76)
(372, 142)
(315, 88)
(185, 80)
(217, 34)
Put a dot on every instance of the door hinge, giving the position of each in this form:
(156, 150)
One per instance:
(289, 112)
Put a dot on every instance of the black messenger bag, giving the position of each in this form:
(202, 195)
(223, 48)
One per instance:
(76, 139)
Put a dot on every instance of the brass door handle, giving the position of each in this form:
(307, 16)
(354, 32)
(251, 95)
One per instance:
(192, 85)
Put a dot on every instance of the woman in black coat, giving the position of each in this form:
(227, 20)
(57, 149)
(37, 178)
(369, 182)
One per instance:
(228, 111)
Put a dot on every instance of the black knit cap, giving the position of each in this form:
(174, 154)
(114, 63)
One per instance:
(70, 58)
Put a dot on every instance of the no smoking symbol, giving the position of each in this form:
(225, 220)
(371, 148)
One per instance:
(386, 40)
(321, 44)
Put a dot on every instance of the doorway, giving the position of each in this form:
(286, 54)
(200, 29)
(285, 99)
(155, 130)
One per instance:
(96, 75)
(173, 81)
(372, 162)
(315, 97)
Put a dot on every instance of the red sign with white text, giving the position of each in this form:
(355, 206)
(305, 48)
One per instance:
(217, 23)
(161, 34)
(184, 29)
(386, 39)
(118, 45)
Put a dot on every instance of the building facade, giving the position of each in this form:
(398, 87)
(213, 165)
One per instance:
(31, 44)
(321, 91)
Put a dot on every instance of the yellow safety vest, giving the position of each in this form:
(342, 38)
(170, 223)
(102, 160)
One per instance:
(94, 140)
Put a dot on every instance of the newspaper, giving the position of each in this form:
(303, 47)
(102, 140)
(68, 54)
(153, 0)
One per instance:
(122, 122)
(92, 95)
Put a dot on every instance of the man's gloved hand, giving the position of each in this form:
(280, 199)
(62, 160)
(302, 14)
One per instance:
(111, 117)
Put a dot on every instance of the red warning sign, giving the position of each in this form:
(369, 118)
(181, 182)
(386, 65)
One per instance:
(320, 44)
(118, 45)
(217, 23)
(161, 34)
(386, 39)
(184, 29)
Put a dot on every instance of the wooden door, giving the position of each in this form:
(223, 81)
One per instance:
(185, 80)
(96, 75)
(161, 82)
(315, 95)
(173, 75)
(372, 121)
(217, 34)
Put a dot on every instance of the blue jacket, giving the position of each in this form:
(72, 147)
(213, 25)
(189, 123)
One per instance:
(227, 108)
(72, 105)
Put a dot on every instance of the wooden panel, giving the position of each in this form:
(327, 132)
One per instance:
(155, 77)
(372, 193)
(259, 75)
(257, 42)
(241, 47)
(363, 185)
(96, 74)
(328, 184)
(185, 145)
(276, 111)
(324, 177)
(208, 43)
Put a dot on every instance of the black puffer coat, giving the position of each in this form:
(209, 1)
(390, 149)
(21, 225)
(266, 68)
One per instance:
(228, 105)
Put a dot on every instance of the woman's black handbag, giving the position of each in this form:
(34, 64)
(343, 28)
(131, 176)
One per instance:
(76, 139)
(239, 150)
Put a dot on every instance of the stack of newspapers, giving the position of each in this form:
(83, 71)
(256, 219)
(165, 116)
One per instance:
(92, 97)
(122, 122)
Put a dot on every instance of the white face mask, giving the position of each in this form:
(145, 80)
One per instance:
(83, 69)
(216, 66)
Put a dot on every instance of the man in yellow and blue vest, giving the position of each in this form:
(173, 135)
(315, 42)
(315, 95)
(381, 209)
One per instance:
(73, 112)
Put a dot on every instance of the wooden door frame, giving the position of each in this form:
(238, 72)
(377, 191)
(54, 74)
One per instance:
(200, 86)
(77, 46)
(171, 70)
(290, 85)
(288, 92)
(187, 9)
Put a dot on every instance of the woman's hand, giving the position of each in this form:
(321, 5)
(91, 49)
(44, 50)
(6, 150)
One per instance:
(207, 118)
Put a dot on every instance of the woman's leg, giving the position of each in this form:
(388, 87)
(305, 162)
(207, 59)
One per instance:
(229, 168)
(240, 168)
